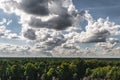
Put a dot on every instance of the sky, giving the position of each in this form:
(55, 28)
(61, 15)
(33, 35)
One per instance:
(64, 28)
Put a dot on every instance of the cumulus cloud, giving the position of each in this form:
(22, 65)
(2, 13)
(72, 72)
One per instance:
(59, 14)
(8, 50)
(49, 41)
(35, 7)
(58, 23)
(62, 20)
(56, 40)
(6, 5)
(105, 45)
(96, 30)
(64, 12)
(112, 40)
(30, 34)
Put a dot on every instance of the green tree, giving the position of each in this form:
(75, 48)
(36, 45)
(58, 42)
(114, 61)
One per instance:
(30, 72)
(3, 67)
(17, 72)
(100, 72)
(114, 73)
(40, 66)
(88, 72)
(80, 67)
(64, 72)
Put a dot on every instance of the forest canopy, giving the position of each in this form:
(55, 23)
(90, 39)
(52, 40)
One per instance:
(59, 69)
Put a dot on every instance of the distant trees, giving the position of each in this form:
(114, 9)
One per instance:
(59, 69)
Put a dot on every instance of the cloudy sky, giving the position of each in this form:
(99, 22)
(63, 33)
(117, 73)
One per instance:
(60, 28)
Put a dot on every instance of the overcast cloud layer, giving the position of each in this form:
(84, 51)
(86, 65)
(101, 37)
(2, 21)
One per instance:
(53, 27)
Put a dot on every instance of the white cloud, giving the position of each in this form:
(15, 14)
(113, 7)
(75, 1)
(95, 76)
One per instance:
(105, 45)
(99, 30)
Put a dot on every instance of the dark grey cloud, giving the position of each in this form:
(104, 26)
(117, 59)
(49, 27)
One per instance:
(40, 8)
(35, 7)
(100, 36)
(59, 23)
(30, 34)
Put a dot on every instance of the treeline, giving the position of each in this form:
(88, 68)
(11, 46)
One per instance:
(59, 69)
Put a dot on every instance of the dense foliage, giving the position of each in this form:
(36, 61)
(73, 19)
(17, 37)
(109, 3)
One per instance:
(59, 69)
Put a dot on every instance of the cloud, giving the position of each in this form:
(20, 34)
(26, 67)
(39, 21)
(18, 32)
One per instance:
(30, 34)
(35, 7)
(56, 15)
(8, 6)
(35, 10)
(96, 36)
(57, 39)
(112, 40)
(49, 41)
(8, 50)
(98, 30)
(62, 20)
(58, 23)
(106, 45)
(13, 36)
